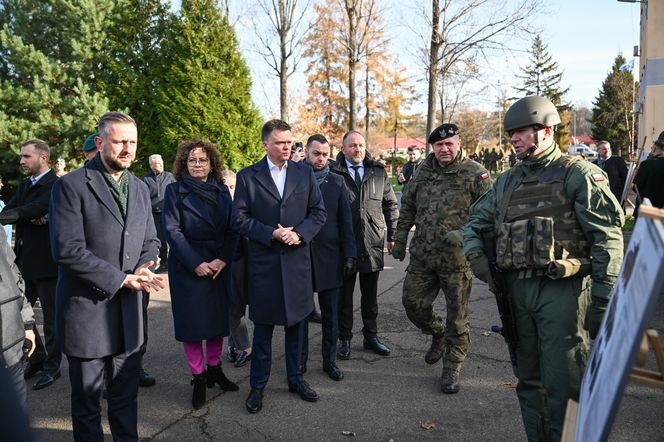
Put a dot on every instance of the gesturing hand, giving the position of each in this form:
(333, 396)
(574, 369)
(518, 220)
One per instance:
(143, 279)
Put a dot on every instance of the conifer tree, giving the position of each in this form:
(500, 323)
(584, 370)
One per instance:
(541, 76)
(206, 92)
(612, 118)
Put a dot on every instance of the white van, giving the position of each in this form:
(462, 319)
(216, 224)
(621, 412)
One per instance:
(578, 149)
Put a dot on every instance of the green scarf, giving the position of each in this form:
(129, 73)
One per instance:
(120, 191)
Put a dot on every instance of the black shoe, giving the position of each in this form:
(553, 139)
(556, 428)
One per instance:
(344, 349)
(254, 401)
(333, 371)
(232, 354)
(304, 390)
(241, 359)
(436, 351)
(145, 379)
(32, 369)
(450, 381)
(215, 375)
(315, 317)
(375, 345)
(198, 396)
(46, 380)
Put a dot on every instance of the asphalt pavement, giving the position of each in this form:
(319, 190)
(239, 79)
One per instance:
(395, 398)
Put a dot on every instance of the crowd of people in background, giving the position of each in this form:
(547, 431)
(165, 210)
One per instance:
(92, 244)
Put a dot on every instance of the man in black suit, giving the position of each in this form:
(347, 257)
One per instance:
(28, 209)
(104, 242)
(279, 208)
(614, 166)
(333, 253)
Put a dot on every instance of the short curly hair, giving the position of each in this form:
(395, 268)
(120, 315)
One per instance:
(185, 148)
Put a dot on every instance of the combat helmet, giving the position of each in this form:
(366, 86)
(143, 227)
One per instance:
(531, 111)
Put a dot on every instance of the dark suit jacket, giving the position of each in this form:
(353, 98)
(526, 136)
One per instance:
(280, 284)
(157, 185)
(33, 249)
(336, 240)
(95, 248)
(200, 305)
(616, 170)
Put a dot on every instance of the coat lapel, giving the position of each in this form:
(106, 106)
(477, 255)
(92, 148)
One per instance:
(293, 177)
(195, 205)
(100, 188)
(264, 178)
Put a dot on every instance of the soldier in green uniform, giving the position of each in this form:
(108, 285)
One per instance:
(436, 201)
(550, 209)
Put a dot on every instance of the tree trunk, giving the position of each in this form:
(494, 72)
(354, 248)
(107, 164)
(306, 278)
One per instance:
(283, 66)
(352, 49)
(366, 102)
(433, 69)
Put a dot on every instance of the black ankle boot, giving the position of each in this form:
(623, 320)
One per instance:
(198, 398)
(216, 376)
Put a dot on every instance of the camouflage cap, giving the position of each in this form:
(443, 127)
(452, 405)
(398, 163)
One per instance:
(89, 143)
(442, 132)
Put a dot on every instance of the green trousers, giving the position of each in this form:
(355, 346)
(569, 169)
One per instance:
(552, 349)
(420, 290)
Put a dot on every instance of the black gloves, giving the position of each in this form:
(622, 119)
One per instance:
(594, 315)
(349, 267)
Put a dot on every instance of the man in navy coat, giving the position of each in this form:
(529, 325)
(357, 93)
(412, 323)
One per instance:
(104, 241)
(333, 253)
(279, 208)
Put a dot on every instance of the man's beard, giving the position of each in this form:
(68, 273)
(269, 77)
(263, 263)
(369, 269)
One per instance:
(115, 165)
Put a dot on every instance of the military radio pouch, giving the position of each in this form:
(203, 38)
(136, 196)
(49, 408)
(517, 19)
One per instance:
(525, 244)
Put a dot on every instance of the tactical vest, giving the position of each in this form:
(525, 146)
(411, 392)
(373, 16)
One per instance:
(536, 221)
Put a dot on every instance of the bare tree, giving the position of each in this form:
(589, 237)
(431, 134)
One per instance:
(466, 28)
(286, 27)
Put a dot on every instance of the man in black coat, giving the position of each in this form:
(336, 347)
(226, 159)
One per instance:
(104, 242)
(648, 180)
(28, 209)
(333, 253)
(414, 161)
(279, 208)
(374, 207)
(157, 180)
(614, 166)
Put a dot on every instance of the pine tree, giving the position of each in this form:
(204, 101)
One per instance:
(132, 66)
(612, 118)
(206, 91)
(541, 76)
(47, 69)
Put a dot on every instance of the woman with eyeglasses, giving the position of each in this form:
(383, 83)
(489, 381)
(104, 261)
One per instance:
(197, 223)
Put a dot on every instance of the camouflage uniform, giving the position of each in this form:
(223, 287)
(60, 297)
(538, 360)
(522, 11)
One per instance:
(436, 201)
(547, 208)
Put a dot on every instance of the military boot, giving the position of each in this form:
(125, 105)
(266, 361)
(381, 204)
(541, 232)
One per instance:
(450, 381)
(436, 351)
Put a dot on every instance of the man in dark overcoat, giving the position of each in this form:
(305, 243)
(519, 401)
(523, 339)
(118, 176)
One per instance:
(279, 208)
(104, 242)
(28, 209)
(333, 253)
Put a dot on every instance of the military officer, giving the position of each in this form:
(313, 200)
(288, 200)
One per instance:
(436, 201)
(549, 207)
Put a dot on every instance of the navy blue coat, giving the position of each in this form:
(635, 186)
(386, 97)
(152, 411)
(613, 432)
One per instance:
(200, 304)
(280, 283)
(336, 240)
(95, 248)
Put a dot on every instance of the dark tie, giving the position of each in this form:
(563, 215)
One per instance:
(358, 180)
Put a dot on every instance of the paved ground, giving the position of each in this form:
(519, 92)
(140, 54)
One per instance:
(381, 399)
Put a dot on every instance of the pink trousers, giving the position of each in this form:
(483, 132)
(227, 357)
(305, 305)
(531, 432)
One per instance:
(193, 352)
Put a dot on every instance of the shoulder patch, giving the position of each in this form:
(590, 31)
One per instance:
(598, 177)
(484, 176)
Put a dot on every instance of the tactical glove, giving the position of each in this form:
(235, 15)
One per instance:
(454, 238)
(479, 263)
(594, 315)
(349, 267)
(399, 250)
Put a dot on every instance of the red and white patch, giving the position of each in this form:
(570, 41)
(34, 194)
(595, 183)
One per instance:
(484, 176)
(598, 177)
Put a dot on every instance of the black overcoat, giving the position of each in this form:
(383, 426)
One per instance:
(200, 304)
(335, 240)
(95, 248)
(280, 284)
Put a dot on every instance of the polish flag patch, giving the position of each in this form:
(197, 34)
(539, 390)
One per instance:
(484, 176)
(598, 177)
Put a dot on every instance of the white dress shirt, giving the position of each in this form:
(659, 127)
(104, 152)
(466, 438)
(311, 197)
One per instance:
(278, 175)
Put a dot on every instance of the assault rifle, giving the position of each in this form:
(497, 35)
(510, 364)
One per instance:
(498, 276)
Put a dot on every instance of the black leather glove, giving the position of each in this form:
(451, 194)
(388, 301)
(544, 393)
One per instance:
(594, 315)
(479, 264)
(349, 267)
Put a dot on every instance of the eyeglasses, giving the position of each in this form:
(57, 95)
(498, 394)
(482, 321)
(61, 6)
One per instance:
(195, 161)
